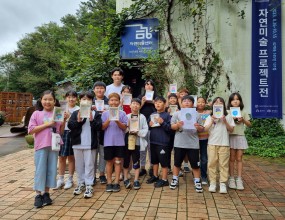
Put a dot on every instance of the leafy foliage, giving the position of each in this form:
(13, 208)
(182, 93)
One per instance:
(266, 138)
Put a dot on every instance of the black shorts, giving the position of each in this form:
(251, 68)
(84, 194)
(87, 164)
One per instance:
(110, 152)
(135, 154)
(160, 154)
(193, 157)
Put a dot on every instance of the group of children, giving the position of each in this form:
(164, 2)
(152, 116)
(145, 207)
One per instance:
(97, 142)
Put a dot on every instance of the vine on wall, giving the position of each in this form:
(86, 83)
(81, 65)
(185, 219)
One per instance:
(197, 64)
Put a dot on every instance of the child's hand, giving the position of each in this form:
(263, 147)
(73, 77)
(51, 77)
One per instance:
(159, 120)
(223, 118)
(180, 124)
(199, 127)
(78, 117)
(66, 116)
(143, 100)
(91, 116)
(93, 107)
(151, 123)
(51, 124)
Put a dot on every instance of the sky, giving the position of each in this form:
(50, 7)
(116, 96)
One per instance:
(19, 17)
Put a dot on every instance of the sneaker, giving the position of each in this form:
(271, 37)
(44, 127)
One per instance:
(174, 184)
(232, 183)
(239, 183)
(180, 174)
(78, 190)
(150, 172)
(46, 199)
(68, 184)
(103, 179)
(116, 187)
(142, 172)
(109, 188)
(88, 192)
(161, 183)
(212, 188)
(59, 184)
(137, 185)
(198, 187)
(152, 179)
(223, 188)
(127, 183)
(38, 201)
(204, 181)
(187, 170)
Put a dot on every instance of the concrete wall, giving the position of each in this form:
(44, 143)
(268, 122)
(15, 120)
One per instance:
(231, 37)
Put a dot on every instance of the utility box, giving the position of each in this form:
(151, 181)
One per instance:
(15, 105)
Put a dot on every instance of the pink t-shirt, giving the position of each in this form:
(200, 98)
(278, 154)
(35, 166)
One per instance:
(42, 138)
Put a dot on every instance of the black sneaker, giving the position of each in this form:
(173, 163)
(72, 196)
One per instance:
(38, 201)
(127, 183)
(150, 172)
(103, 179)
(46, 199)
(109, 188)
(116, 187)
(152, 179)
(161, 183)
(142, 172)
(137, 185)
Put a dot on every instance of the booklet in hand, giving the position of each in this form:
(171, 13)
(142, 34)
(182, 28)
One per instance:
(114, 114)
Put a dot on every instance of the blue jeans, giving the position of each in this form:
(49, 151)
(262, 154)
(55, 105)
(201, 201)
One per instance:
(203, 158)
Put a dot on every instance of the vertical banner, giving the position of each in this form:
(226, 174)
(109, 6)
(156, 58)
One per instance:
(266, 53)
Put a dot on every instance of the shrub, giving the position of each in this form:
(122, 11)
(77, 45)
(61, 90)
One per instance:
(266, 138)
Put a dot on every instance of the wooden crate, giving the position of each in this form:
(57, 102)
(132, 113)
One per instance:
(15, 105)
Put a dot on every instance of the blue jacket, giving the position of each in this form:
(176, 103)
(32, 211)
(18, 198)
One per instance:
(161, 135)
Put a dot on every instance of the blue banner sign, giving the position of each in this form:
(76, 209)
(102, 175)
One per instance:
(266, 69)
(139, 38)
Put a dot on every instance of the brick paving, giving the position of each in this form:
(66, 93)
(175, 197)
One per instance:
(263, 197)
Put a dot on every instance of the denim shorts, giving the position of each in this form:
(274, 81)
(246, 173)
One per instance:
(46, 168)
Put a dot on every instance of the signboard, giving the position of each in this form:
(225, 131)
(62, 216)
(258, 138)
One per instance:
(139, 38)
(266, 72)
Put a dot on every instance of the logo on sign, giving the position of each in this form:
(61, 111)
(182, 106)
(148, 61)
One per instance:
(143, 33)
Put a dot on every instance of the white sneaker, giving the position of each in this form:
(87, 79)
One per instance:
(223, 188)
(212, 187)
(78, 190)
(239, 183)
(232, 183)
(174, 184)
(198, 187)
(89, 191)
(59, 184)
(68, 184)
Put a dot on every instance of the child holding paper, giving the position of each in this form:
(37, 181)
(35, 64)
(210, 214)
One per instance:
(218, 143)
(66, 151)
(139, 133)
(99, 89)
(84, 139)
(238, 141)
(159, 143)
(126, 92)
(114, 142)
(147, 108)
(186, 142)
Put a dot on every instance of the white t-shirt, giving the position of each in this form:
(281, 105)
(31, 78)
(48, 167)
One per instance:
(218, 133)
(112, 88)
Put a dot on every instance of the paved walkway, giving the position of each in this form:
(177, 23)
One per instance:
(263, 197)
